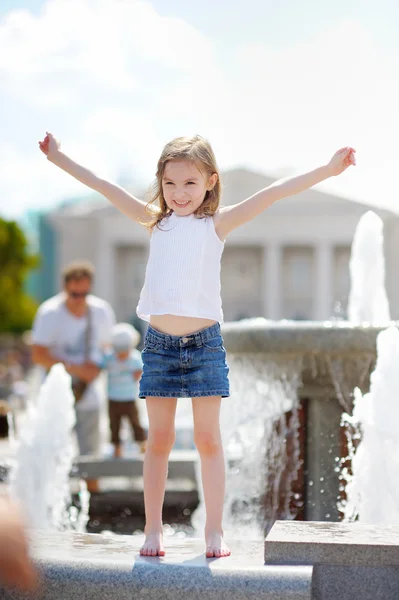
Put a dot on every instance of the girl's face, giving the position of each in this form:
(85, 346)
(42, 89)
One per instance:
(184, 186)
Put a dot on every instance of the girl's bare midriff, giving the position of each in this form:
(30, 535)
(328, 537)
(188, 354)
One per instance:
(174, 325)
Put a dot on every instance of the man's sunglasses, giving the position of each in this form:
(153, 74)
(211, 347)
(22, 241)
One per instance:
(78, 294)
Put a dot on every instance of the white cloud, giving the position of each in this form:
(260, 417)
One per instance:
(105, 77)
(115, 81)
(297, 105)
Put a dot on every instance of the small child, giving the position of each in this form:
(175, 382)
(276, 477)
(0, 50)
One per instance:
(124, 368)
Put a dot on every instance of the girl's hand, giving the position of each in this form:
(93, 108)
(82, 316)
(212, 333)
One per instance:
(49, 145)
(341, 160)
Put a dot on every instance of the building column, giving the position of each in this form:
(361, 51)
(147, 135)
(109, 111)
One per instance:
(272, 261)
(324, 282)
(104, 282)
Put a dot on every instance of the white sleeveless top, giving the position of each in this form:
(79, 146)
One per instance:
(183, 270)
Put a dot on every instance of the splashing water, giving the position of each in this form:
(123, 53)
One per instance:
(372, 428)
(261, 445)
(375, 420)
(368, 300)
(39, 479)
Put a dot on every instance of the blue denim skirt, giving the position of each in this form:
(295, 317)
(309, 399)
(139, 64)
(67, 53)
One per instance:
(188, 366)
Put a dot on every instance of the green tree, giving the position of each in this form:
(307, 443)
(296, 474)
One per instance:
(17, 308)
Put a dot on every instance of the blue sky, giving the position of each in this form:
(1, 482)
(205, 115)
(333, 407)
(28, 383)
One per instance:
(275, 86)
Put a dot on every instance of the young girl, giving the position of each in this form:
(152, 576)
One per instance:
(183, 353)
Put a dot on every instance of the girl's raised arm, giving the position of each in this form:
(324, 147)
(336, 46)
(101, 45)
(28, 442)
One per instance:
(230, 217)
(129, 205)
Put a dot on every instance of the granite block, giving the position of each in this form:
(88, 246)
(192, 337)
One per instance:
(347, 544)
(331, 582)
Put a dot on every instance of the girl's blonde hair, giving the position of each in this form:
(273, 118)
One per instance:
(198, 150)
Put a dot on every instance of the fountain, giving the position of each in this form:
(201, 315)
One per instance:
(324, 363)
(375, 424)
(372, 428)
(39, 477)
(368, 302)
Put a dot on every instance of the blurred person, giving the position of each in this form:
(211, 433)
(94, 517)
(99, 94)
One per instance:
(18, 385)
(73, 328)
(13, 390)
(124, 367)
(16, 568)
(183, 353)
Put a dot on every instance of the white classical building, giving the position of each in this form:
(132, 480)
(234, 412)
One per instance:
(290, 262)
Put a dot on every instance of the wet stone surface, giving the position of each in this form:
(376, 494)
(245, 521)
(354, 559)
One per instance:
(349, 544)
(101, 567)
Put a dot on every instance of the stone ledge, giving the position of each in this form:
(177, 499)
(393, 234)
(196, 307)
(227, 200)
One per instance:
(333, 582)
(181, 465)
(321, 543)
(339, 338)
(103, 568)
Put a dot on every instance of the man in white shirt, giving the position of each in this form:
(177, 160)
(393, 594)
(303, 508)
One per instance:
(73, 328)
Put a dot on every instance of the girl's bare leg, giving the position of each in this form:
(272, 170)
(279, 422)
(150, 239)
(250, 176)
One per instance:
(207, 437)
(161, 437)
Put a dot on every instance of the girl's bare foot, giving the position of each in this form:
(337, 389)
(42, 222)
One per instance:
(118, 451)
(215, 545)
(143, 447)
(153, 545)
